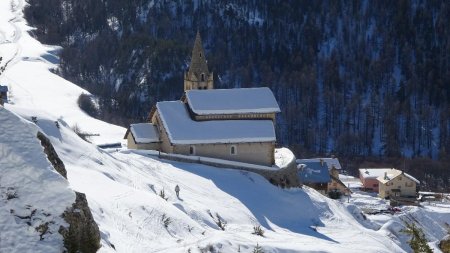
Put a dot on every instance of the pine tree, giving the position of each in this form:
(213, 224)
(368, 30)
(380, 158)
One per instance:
(258, 249)
(418, 242)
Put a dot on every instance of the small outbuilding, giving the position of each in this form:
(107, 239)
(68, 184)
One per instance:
(142, 136)
(3, 94)
(336, 184)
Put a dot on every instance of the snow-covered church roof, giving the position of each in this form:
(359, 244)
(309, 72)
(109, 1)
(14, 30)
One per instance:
(183, 130)
(144, 132)
(232, 101)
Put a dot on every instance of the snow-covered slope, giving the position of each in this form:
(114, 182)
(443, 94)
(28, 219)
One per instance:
(33, 196)
(123, 187)
(123, 190)
(31, 83)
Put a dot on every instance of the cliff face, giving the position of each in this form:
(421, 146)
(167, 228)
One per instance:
(83, 234)
(52, 156)
(36, 200)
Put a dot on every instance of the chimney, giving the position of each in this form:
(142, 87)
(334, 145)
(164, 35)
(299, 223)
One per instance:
(385, 176)
(321, 162)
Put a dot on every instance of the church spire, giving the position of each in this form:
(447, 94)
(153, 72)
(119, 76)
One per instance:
(198, 75)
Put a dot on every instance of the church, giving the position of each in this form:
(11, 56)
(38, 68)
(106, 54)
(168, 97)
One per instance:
(230, 124)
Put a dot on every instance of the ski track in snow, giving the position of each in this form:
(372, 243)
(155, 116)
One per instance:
(17, 11)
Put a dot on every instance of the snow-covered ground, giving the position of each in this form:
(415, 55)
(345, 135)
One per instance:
(373, 212)
(123, 187)
(33, 196)
(32, 85)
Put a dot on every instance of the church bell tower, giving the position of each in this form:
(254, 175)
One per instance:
(198, 76)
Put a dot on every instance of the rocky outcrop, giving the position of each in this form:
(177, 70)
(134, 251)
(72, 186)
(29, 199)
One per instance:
(83, 234)
(52, 156)
(444, 245)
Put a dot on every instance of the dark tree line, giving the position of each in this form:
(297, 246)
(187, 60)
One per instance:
(353, 78)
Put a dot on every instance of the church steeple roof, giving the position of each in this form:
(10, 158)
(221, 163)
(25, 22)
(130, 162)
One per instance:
(198, 61)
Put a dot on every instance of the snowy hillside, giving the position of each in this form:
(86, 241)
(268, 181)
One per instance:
(218, 208)
(33, 195)
(32, 85)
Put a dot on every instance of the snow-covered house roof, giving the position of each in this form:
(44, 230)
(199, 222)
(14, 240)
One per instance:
(144, 133)
(232, 101)
(373, 172)
(412, 178)
(314, 172)
(393, 173)
(181, 129)
(379, 174)
(331, 162)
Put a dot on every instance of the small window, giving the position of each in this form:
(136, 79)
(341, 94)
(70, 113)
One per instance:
(375, 185)
(203, 77)
(233, 150)
(192, 150)
(399, 178)
(200, 55)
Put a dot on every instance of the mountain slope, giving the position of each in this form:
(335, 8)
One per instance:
(123, 186)
(33, 194)
(31, 83)
(358, 78)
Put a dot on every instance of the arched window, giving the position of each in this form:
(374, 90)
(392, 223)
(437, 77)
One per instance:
(200, 55)
(233, 150)
(192, 150)
(203, 77)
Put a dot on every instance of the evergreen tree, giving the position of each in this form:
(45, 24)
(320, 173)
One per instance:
(418, 242)
(258, 249)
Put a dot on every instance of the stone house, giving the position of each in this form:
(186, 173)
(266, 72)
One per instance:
(396, 183)
(142, 136)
